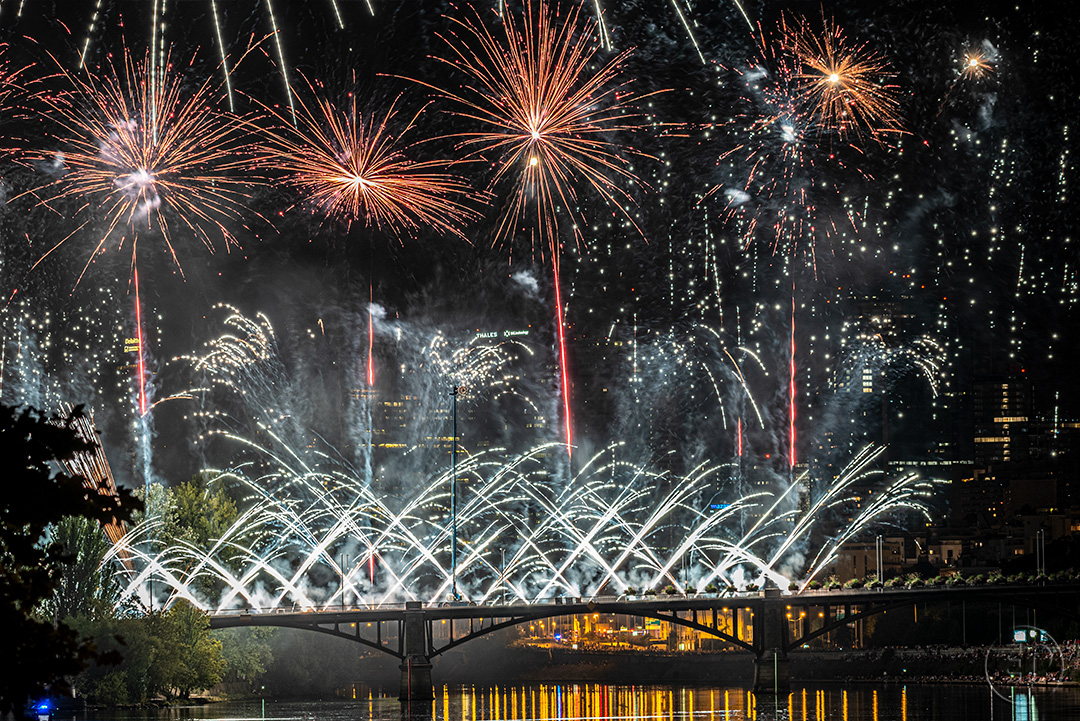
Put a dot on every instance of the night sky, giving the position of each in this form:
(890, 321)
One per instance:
(957, 223)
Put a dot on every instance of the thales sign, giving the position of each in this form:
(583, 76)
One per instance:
(501, 334)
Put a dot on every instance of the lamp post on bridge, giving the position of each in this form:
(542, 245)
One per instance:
(454, 393)
(880, 562)
(341, 568)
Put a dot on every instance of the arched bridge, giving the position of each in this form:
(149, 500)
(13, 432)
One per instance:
(760, 622)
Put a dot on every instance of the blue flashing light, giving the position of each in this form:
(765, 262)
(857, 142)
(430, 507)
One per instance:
(43, 706)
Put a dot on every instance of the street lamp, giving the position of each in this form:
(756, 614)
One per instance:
(454, 393)
(880, 561)
(341, 570)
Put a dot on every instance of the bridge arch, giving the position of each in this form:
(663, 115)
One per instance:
(330, 628)
(555, 612)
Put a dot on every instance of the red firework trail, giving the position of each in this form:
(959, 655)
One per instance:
(370, 343)
(139, 337)
(562, 358)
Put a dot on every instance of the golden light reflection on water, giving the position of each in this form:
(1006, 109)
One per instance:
(589, 701)
(600, 702)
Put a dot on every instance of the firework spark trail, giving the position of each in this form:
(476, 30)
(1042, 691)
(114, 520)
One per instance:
(89, 34)
(563, 374)
(907, 492)
(148, 155)
(92, 466)
(573, 536)
(224, 57)
(281, 58)
(569, 507)
(370, 343)
(742, 11)
(689, 31)
(12, 88)
(602, 529)
(475, 368)
(867, 351)
(355, 168)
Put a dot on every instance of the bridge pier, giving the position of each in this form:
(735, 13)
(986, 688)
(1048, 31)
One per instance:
(416, 684)
(771, 672)
(770, 634)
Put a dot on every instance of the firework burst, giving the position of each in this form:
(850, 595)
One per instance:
(976, 65)
(784, 163)
(846, 87)
(545, 116)
(146, 151)
(355, 168)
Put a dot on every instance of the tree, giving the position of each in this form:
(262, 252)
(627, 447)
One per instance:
(30, 566)
(169, 654)
(200, 664)
(86, 586)
(196, 515)
(247, 653)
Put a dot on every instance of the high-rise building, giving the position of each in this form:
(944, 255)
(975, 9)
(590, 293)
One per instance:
(1004, 419)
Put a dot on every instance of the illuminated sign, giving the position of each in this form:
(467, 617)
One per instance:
(131, 345)
(1030, 635)
(503, 334)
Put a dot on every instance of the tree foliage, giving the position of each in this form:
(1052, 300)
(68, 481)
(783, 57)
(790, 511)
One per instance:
(247, 652)
(170, 654)
(86, 585)
(30, 566)
(196, 514)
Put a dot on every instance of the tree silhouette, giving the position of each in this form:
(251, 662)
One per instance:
(37, 495)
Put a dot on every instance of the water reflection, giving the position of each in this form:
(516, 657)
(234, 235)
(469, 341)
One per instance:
(600, 702)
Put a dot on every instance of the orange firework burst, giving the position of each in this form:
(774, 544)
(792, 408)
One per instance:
(355, 168)
(146, 152)
(976, 65)
(846, 86)
(545, 116)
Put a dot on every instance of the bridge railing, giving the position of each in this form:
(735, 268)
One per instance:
(821, 593)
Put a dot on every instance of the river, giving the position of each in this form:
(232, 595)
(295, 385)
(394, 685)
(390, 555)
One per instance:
(550, 702)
